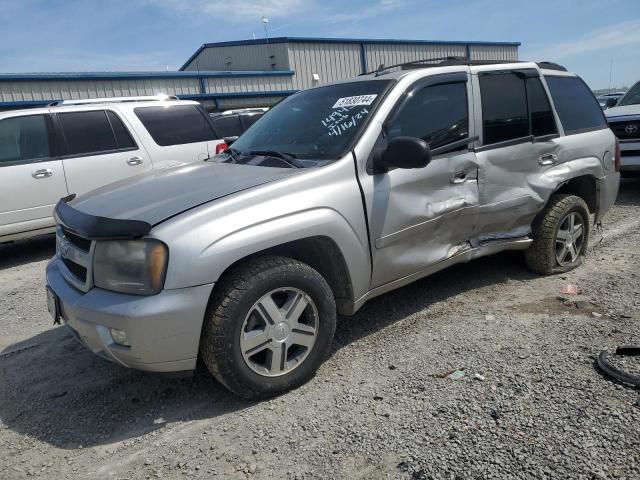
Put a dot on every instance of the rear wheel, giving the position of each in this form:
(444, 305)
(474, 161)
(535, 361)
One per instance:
(269, 326)
(560, 236)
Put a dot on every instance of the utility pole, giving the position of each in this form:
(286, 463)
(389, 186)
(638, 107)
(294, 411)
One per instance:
(610, 73)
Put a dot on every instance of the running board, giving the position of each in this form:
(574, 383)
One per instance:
(346, 307)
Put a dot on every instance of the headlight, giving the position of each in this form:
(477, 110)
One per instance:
(130, 266)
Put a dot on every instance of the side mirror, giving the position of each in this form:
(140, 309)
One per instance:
(403, 152)
(229, 140)
(611, 102)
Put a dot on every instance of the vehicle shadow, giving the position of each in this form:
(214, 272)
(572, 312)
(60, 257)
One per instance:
(629, 193)
(54, 389)
(445, 285)
(26, 251)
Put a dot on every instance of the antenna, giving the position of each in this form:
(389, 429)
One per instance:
(265, 22)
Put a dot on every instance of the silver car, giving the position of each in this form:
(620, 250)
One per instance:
(336, 195)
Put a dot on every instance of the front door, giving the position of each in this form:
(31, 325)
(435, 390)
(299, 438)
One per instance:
(99, 150)
(420, 217)
(31, 176)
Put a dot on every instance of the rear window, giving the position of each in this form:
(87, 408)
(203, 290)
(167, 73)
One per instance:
(175, 125)
(577, 108)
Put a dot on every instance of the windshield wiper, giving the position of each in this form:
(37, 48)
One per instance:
(288, 158)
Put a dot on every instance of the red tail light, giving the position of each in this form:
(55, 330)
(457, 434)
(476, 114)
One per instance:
(221, 147)
(616, 157)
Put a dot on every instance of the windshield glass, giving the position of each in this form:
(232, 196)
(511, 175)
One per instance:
(316, 124)
(632, 97)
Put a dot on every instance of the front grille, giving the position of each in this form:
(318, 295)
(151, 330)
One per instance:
(626, 130)
(630, 153)
(78, 270)
(80, 242)
(76, 257)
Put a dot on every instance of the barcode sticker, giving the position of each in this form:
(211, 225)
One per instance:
(354, 101)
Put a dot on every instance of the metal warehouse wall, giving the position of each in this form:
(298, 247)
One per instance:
(331, 61)
(21, 91)
(392, 54)
(491, 52)
(248, 84)
(271, 56)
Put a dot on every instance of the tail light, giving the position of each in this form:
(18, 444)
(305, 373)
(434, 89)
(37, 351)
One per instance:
(221, 147)
(616, 157)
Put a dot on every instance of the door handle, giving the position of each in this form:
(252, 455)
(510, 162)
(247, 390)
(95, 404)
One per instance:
(42, 173)
(133, 161)
(459, 177)
(548, 159)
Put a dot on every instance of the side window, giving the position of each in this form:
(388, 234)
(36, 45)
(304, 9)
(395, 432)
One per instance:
(227, 126)
(175, 125)
(542, 121)
(438, 114)
(504, 107)
(87, 132)
(577, 108)
(24, 139)
(123, 137)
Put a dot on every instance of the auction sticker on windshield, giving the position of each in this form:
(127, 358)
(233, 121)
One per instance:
(354, 101)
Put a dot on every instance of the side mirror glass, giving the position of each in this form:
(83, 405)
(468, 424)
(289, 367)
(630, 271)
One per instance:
(403, 152)
(611, 102)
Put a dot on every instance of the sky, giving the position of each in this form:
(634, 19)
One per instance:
(133, 35)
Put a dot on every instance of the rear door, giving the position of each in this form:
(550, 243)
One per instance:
(519, 142)
(31, 174)
(98, 149)
(181, 133)
(422, 216)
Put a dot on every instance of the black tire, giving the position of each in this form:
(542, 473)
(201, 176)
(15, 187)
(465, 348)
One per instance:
(541, 256)
(234, 296)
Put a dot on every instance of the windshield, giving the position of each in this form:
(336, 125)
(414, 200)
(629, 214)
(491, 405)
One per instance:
(632, 97)
(316, 124)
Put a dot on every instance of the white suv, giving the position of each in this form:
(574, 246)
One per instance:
(78, 146)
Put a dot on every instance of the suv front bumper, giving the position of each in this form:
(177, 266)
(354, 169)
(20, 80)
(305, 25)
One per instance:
(163, 330)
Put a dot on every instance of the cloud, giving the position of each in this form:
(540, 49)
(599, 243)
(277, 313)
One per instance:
(383, 6)
(63, 59)
(238, 9)
(615, 35)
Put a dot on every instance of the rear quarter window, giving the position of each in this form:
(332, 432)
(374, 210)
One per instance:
(578, 109)
(175, 125)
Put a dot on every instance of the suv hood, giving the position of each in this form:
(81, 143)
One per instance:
(622, 111)
(162, 194)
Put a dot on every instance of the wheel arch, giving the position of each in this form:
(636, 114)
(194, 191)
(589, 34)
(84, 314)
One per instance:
(321, 253)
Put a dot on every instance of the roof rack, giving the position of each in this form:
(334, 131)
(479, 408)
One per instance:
(89, 101)
(453, 61)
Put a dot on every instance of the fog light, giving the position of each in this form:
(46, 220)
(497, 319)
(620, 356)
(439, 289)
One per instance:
(119, 337)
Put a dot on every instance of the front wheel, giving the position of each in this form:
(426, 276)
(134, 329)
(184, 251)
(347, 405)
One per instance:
(269, 326)
(560, 236)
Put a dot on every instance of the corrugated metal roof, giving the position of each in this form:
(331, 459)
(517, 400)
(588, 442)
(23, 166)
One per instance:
(262, 41)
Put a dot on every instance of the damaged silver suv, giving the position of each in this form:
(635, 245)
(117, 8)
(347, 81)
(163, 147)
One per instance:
(338, 194)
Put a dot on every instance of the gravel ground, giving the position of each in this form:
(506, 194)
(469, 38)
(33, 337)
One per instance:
(530, 403)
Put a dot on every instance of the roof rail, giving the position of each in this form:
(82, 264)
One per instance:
(89, 101)
(453, 61)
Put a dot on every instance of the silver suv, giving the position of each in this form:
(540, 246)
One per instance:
(336, 195)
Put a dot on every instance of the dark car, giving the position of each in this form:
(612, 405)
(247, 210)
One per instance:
(234, 123)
